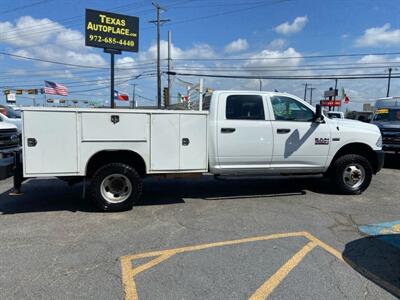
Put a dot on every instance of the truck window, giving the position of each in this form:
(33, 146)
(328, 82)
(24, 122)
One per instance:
(206, 102)
(288, 109)
(244, 107)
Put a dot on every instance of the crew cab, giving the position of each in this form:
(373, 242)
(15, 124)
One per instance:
(234, 133)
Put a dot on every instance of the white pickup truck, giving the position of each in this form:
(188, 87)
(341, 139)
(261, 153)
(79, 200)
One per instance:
(235, 133)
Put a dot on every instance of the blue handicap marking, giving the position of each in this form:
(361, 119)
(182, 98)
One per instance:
(388, 232)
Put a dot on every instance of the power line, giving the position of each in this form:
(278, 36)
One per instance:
(54, 62)
(245, 69)
(289, 57)
(316, 77)
(25, 6)
(228, 12)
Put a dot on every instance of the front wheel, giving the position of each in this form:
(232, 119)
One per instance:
(352, 174)
(116, 187)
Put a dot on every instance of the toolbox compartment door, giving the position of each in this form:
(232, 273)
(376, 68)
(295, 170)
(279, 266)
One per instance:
(50, 142)
(164, 142)
(193, 142)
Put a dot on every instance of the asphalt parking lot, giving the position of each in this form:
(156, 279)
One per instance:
(281, 238)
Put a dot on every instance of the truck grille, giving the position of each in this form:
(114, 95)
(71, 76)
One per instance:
(8, 138)
(391, 140)
(391, 130)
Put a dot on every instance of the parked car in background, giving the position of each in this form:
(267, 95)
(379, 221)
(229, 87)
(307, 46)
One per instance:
(387, 118)
(335, 114)
(9, 145)
(10, 111)
(15, 121)
(363, 116)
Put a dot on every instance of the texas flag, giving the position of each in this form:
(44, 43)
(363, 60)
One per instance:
(120, 96)
(344, 97)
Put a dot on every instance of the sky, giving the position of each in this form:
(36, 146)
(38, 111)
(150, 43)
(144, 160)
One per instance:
(235, 37)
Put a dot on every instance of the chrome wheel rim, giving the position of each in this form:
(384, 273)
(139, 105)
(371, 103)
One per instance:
(116, 188)
(354, 175)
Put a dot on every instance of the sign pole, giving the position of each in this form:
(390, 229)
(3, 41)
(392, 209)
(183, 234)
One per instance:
(112, 88)
(112, 82)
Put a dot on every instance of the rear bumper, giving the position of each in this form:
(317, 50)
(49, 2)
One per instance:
(380, 156)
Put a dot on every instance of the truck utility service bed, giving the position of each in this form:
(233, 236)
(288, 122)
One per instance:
(60, 141)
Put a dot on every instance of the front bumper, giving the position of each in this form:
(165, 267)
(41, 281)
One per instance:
(7, 162)
(6, 167)
(380, 156)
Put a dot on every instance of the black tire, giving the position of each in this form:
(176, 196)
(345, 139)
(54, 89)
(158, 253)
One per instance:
(353, 166)
(126, 179)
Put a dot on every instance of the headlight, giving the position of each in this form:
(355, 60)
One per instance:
(379, 142)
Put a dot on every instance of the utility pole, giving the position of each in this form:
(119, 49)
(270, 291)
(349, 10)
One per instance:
(158, 23)
(169, 66)
(388, 87)
(311, 90)
(260, 84)
(334, 95)
(305, 90)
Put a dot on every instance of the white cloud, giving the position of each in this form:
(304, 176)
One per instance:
(372, 59)
(197, 51)
(274, 58)
(48, 40)
(289, 28)
(126, 62)
(379, 36)
(28, 31)
(277, 44)
(53, 52)
(236, 46)
(70, 39)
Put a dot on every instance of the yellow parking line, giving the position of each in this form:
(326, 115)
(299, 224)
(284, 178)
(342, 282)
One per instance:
(267, 287)
(324, 246)
(129, 273)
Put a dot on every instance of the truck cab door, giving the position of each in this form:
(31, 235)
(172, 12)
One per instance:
(244, 133)
(299, 142)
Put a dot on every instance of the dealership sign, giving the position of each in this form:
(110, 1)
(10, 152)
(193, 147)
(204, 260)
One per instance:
(11, 98)
(331, 103)
(111, 31)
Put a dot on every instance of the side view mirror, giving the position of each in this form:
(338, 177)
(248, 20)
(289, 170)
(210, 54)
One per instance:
(319, 118)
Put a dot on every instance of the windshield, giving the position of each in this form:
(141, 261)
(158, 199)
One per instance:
(334, 115)
(387, 114)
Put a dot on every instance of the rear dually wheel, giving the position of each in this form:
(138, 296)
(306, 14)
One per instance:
(116, 187)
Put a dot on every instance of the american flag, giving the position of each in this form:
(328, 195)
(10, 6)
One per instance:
(55, 88)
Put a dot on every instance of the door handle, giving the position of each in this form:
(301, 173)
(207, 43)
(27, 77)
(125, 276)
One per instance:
(227, 130)
(185, 142)
(283, 130)
(32, 142)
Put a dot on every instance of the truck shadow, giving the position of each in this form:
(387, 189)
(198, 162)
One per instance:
(378, 259)
(392, 161)
(40, 195)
